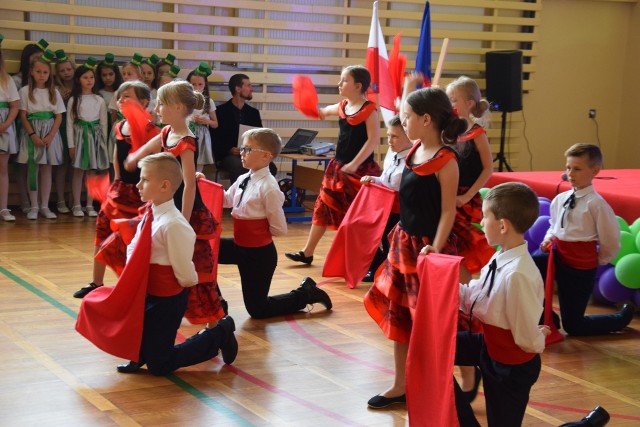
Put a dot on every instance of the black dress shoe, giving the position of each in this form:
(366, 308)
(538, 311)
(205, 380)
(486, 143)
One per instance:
(379, 402)
(315, 294)
(229, 347)
(369, 276)
(299, 257)
(596, 418)
(131, 367)
(626, 313)
(82, 292)
(471, 394)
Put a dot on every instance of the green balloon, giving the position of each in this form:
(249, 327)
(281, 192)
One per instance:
(627, 246)
(628, 271)
(623, 224)
(635, 227)
(483, 192)
(638, 242)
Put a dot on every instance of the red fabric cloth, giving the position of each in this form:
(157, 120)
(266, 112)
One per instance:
(212, 195)
(397, 66)
(360, 116)
(359, 234)
(162, 281)
(251, 233)
(579, 255)
(432, 347)
(112, 318)
(305, 97)
(97, 185)
(555, 335)
(472, 244)
(619, 187)
(502, 347)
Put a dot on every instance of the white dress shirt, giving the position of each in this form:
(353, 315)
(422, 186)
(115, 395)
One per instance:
(392, 169)
(262, 199)
(515, 302)
(590, 219)
(172, 242)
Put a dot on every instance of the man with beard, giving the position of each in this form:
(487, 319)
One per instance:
(231, 115)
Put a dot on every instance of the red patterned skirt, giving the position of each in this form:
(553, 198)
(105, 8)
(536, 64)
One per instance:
(338, 191)
(204, 298)
(123, 202)
(471, 243)
(392, 299)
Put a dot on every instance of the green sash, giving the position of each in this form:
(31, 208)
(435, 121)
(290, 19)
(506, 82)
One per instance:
(194, 125)
(86, 127)
(31, 164)
(4, 104)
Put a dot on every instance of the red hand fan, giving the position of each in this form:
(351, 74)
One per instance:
(305, 97)
(138, 118)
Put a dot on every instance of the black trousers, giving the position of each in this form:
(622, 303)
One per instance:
(383, 251)
(574, 290)
(162, 317)
(256, 266)
(506, 387)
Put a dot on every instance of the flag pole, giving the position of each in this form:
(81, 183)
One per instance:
(441, 58)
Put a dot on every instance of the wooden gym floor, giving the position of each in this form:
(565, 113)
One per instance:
(311, 369)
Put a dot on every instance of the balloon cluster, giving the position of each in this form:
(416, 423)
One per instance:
(615, 282)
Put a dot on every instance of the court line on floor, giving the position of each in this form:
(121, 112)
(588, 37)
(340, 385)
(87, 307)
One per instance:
(84, 390)
(293, 323)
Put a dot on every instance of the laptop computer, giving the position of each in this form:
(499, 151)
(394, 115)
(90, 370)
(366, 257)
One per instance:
(299, 138)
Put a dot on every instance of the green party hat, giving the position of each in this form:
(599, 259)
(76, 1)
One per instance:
(170, 59)
(137, 59)
(203, 70)
(153, 60)
(48, 56)
(91, 63)
(42, 44)
(109, 60)
(173, 71)
(61, 56)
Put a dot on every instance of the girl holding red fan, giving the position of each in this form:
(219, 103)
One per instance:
(358, 137)
(123, 199)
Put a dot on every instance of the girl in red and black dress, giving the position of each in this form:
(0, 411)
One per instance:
(176, 102)
(475, 163)
(123, 199)
(358, 137)
(427, 210)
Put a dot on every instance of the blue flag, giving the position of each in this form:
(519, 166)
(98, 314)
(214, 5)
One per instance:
(423, 58)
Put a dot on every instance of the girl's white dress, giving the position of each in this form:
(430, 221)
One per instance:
(92, 153)
(8, 141)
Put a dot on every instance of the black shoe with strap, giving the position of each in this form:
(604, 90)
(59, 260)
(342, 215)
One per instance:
(379, 402)
(299, 257)
(596, 418)
(229, 348)
(82, 292)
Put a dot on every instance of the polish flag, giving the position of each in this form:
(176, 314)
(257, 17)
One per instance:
(378, 65)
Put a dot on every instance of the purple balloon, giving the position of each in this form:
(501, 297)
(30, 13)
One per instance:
(544, 208)
(601, 269)
(597, 295)
(613, 290)
(536, 233)
(636, 297)
(544, 199)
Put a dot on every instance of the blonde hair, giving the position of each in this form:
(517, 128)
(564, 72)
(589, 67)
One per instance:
(266, 139)
(48, 84)
(468, 88)
(4, 76)
(181, 92)
(166, 166)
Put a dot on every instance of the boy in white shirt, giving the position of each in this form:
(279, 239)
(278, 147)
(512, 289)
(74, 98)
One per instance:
(507, 299)
(585, 233)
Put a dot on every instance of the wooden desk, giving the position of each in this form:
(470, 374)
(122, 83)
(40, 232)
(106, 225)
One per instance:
(306, 178)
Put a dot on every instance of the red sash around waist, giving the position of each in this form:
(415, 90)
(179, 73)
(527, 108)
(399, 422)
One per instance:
(579, 255)
(251, 233)
(162, 281)
(502, 348)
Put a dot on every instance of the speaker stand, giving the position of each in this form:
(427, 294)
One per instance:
(500, 156)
